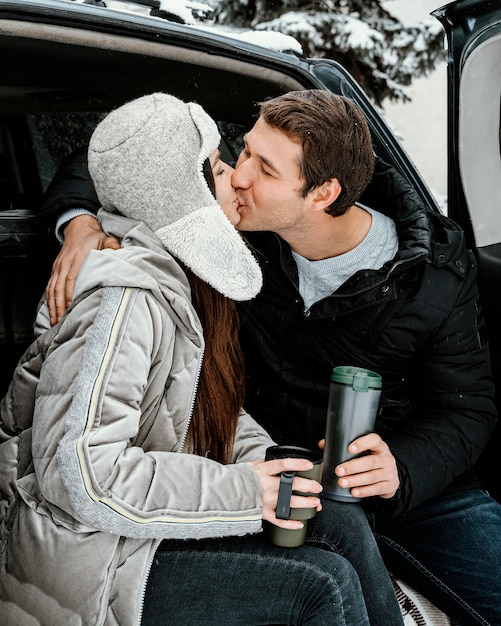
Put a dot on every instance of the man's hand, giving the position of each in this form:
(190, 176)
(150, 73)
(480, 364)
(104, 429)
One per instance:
(374, 474)
(269, 476)
(81, 235)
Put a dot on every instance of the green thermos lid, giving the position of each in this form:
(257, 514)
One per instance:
(358, 378)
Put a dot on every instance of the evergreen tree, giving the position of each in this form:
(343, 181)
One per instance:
(381, 53)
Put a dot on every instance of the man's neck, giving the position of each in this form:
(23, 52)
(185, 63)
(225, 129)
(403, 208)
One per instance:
(332, 236)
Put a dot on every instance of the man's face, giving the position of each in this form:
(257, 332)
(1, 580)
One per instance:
(268, 182)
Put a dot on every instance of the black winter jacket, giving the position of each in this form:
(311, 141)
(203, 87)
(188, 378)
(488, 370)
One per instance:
(417, 322)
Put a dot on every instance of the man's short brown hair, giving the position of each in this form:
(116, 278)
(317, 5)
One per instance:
(335, 138)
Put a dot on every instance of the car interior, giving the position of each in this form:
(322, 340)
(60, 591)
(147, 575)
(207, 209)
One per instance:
(48, 111)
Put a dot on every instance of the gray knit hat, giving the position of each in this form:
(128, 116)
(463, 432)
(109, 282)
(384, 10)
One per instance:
(146, 161)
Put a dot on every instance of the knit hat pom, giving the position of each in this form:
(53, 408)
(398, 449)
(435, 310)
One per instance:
(146, 160)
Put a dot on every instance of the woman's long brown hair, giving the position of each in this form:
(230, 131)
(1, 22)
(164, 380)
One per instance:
(221, 388)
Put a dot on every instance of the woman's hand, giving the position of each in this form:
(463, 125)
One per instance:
(269, 476)
(81, 235)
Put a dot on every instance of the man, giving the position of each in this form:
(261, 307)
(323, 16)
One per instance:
(393, 290)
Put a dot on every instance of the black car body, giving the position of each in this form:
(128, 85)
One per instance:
(65, 64)
(473, 29)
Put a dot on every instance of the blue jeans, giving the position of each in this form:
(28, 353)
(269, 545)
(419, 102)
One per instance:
(247, 582)
(449, 549)
(342, 527)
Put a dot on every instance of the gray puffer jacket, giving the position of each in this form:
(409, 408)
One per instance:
(93, 472)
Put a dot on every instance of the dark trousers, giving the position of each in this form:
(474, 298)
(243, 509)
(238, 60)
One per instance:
(449, 549)
(247, 582)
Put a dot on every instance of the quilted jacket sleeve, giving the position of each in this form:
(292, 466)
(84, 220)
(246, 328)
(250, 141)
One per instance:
(109, 426)
(455, 413)
(251, 440)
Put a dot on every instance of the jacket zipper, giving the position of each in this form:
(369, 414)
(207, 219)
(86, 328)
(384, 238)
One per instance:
(193, 397)
(375, 285)
(142, 594)
(409, 262)
(157, 542)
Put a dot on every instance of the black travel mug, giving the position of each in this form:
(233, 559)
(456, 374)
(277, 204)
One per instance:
(353, 405)
(284, 537)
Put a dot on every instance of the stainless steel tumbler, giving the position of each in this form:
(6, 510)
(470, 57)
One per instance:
(353, 404)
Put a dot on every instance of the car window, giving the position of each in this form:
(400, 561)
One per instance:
(48, 139)
(56, 135)
(480, 139)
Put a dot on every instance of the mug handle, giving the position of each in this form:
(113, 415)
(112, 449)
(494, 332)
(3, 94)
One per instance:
(283, 509)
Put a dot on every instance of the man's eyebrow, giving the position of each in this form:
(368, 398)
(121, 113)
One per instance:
(262, 158)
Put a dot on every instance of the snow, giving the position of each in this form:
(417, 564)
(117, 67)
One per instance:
(269, 39)
(386, 53)
(359, 35)
(181, 9)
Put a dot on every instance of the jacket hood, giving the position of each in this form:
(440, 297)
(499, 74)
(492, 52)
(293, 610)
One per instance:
(142, 262)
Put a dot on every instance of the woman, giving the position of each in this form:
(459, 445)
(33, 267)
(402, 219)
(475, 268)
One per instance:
(128, 466)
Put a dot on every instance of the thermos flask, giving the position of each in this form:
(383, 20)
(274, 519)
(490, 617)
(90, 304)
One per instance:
(353, 405)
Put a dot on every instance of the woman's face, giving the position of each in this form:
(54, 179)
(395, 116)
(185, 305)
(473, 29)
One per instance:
(225, 194)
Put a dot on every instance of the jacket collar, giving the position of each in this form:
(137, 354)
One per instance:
(425, 236)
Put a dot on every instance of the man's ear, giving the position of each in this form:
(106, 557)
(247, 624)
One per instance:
(326, 194)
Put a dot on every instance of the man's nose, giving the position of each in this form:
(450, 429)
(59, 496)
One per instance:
(241, 176)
